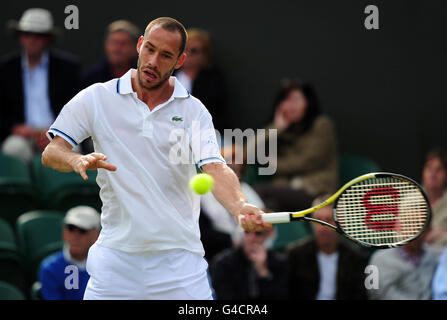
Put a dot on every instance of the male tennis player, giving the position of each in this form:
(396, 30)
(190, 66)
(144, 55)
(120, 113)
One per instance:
(149, 246)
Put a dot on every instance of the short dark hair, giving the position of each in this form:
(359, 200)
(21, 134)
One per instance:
(313, 105)
(172, 25)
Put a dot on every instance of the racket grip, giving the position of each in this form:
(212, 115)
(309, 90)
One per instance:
(274, 217)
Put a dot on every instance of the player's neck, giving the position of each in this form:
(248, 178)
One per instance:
(153, 97)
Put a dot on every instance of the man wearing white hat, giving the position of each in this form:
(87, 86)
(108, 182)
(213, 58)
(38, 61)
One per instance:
(36, 82)
(63, 275)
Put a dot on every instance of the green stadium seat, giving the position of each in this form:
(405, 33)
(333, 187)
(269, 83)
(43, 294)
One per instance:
(352, 165)
(7, 236)
(287, 233)
(64, 190)
(10, 292)
(17, 192)
(11, 268)
(39, 234)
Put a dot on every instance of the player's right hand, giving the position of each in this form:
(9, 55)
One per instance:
(251, 219)
(91, 161)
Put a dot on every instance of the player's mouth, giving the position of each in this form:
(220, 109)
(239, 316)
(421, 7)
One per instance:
(149, 75)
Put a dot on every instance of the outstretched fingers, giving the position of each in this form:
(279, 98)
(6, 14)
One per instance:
(101, 161)
(98, 156)
(82, 169)
(92, 161)
(104, 165)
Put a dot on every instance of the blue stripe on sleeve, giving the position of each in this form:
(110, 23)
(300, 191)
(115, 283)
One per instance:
(209, 160)
(67, 137)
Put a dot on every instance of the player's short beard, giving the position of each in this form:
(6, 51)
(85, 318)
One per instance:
(163, 79)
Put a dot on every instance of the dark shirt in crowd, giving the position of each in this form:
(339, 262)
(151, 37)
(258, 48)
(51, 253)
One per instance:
(63, 84)
(234, 278)
(304, 273)
(209, 87)
(99, 72)
(214, 241)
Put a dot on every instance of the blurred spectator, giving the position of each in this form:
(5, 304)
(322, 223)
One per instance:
(324, 268)
(306, 157)
(35, 84)
(434, 181)
(439, 284)
(203, 79)
(405, 273)
(218, 228)
(81, 229)
(249, 271)
(120, 48)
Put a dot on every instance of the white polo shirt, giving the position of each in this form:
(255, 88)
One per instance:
(147, 203)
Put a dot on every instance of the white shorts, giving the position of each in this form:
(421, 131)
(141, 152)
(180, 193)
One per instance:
(164, 275)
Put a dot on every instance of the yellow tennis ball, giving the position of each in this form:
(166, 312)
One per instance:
(201, 183)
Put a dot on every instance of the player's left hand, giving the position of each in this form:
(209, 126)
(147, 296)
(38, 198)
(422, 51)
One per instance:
(91, 161)
(252, 220)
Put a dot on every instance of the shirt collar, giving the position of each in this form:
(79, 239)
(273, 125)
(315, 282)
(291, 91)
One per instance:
(124, 86)
(179, 90)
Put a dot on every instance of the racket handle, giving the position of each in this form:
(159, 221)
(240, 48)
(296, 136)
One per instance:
(274, 217)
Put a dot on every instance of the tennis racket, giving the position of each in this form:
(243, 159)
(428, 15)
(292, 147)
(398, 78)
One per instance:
(380, 210)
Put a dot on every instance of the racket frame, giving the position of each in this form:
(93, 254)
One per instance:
(285, 217)
(340, 230)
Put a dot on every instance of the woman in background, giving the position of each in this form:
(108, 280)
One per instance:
(307, 158)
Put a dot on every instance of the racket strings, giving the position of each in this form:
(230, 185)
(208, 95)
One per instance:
(382, 211)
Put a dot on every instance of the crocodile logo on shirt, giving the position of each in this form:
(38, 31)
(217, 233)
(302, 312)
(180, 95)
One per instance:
(175, 118)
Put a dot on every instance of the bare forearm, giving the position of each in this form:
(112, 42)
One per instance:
(227, 188)
(59, 158)
(58, 155)
(228, 192)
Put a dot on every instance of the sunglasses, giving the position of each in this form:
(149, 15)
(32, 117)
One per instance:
(73, 228)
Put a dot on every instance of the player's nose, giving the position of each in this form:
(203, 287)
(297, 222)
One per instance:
(152, 61)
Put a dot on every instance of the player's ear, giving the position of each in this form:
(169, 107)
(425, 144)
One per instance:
(140, 43)
(180, 60)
